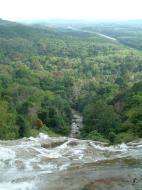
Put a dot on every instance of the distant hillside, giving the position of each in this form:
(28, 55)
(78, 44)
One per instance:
(31, 40)
(12, 29)
(19, 38)
(127, 32)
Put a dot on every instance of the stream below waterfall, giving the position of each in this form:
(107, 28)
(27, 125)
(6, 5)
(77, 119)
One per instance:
(68, 163)
(76, 124)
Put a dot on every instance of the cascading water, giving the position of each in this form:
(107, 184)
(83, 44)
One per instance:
(66, 163)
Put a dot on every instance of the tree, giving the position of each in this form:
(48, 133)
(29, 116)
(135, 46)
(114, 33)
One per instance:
(8, 128)
(102, 118)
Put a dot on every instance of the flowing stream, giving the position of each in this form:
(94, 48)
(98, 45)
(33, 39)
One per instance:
(76, 124)
(67, 163)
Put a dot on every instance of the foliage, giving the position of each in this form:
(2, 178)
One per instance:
(101, 118)
(44, 73)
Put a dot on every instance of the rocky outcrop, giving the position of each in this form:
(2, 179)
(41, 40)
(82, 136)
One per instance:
(53, 142)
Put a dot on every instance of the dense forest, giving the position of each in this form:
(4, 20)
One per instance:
(46, 72)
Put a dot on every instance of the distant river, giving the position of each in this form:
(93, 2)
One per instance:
(91, 32)
(105, 36)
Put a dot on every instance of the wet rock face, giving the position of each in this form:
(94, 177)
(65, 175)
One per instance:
(52, 143)
(109, 184)
(90, 178)
(73, 142)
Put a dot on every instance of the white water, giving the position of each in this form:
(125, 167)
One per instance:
(23, 163)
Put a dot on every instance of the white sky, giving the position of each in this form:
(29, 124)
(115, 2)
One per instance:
(70, 9)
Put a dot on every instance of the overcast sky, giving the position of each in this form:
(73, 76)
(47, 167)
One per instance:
(70, 9)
